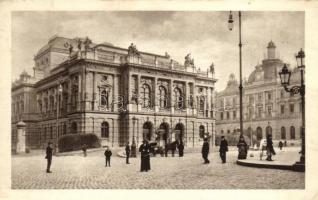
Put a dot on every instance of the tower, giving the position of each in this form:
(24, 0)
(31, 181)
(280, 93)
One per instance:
(271, 50)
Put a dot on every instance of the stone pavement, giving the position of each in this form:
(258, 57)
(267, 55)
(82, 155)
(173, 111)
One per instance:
(77, 172)
(284, 159)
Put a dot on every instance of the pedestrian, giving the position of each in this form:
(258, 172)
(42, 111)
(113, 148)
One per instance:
(280, 145)
(127, 149)
(108, 153)
(173, 148)
(144, 149)
(48, 157)
(84, 148)
(223, 149)
(270, 148)
(180, 148)
(205, 151)
(262, 148)
(285, 143)
(242, 148)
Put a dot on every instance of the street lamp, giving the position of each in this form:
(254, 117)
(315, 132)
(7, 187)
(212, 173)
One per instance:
(285, 75)
(230, 26)
(59, 90)
(133, 145)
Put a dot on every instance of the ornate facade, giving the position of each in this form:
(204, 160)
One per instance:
(267, 108)
(118, 94)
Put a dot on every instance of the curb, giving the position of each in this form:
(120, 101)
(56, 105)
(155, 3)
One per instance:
(268, 166)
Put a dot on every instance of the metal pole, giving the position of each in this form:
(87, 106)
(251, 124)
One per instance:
(241, 87)
(302, 93)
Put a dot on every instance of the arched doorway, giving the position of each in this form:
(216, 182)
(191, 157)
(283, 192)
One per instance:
(250, 132)
(283, 133)
(268, 131)
(292, 133)
(147, 131)
(259, 134)
(162, 134)
(179, 132)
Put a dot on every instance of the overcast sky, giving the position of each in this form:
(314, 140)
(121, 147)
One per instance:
(203, 34)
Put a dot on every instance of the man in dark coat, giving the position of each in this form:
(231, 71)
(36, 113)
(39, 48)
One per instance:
(205, 150)
(108, 153)
(180, 149)
(144, 149)
(280, 145)
(84, 148)
(223, 149)
(270, 148)
(127, 149)
(48, 157)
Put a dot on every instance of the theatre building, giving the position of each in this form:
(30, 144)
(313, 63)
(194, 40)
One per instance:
(119, 94)
(267, 107)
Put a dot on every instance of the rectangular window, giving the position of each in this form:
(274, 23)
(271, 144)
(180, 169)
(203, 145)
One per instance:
(221, 115)
(234, 114)
(227, 115)
(291, 108)
(282, 109)
(269, 110)
(260, 97)
(269, 96)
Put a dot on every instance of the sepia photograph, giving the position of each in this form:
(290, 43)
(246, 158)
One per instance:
(158, 99)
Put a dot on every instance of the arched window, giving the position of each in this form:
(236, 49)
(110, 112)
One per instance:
(146, 96)
(283, 133)
(163, 97)
(259, 133)
(268, 131)
(201, 102)
(73, 128)
(292, 133)
(104, 98)
(105, 130)
(179, 100)
(201, 131)
(51, 132)
(64, 129)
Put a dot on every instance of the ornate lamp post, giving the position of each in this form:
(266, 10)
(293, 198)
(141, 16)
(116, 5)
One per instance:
(230, 26)
(133, 145)
(285, 78)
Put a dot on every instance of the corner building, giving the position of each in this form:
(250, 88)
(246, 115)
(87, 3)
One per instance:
(267, 107)
(118, 94)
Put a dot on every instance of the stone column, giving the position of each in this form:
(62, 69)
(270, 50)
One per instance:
(187, 97)
(21, 140)
(195, 98)
(155, 99)
(138, 93)
(171, 97)
(115, 92)
(129, 106)
(69, 99)
(79, 99)
(94, 96)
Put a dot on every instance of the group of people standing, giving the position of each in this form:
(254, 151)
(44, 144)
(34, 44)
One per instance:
(206, 149)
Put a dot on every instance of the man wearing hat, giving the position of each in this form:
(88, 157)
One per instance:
(205, 151)
(223, 149)
(48, 157)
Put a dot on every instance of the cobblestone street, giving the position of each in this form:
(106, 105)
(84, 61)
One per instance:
(77, 172)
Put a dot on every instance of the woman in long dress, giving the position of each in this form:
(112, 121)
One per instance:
(144, 149)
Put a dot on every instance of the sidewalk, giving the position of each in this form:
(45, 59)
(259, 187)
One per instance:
(284, 159)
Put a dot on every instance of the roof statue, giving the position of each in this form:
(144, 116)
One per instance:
(132, 50)
(188, 61)
(87, 42)
(167, 55)
(79, 44)
(212, 68)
